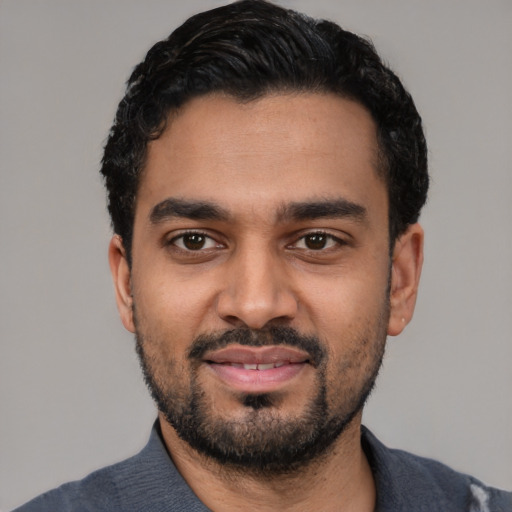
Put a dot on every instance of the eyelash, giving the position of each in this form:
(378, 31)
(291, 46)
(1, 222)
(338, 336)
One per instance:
(335, 241)
(181, 236)
(330, 240)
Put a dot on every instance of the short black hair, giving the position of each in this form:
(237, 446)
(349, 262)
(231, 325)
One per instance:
(248, 49)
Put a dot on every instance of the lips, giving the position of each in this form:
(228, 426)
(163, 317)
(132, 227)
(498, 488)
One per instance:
(257, 369)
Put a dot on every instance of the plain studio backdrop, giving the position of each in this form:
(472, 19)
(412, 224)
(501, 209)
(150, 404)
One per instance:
(72, 398)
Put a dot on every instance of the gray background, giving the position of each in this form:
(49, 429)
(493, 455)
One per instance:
(71, 395)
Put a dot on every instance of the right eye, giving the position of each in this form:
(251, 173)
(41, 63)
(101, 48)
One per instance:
(194, 241)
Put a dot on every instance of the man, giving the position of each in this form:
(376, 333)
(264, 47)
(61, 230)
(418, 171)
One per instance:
(265, 175)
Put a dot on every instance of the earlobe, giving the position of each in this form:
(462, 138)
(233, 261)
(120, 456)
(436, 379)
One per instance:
(121, 276)
(405, 276)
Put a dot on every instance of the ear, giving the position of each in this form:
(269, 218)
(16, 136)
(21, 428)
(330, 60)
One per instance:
(120, 271)
(405, 276)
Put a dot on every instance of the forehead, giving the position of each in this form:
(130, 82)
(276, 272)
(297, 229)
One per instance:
(264, 153)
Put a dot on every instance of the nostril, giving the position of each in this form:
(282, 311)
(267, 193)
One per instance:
(234, 321)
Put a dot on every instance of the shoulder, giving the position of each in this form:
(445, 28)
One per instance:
(408, 482)
(148, 481)
(97, 492)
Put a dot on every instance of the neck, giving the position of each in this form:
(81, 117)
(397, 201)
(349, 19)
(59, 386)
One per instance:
(340, 480)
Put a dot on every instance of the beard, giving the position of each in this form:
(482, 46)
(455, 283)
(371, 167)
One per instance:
(262, 440)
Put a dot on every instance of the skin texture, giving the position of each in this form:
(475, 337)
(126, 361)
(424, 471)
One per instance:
(259, 263)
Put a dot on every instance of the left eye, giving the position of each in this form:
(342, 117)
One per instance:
(317, 242)
(194, 242)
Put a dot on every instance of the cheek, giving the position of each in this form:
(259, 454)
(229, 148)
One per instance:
(345, 306)
(350, 317)
(170, 303)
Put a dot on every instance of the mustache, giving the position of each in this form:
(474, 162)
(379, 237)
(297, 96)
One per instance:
(274, 335)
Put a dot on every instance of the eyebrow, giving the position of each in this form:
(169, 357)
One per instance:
(328, 208)
(171, 208)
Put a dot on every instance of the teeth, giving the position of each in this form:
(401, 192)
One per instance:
(266, 366)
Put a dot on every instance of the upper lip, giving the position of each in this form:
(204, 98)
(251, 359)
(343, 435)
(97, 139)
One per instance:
(256, 355)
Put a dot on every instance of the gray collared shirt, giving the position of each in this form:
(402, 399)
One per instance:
(149, 482)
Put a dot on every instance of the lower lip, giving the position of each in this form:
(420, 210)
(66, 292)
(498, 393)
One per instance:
(257, 381)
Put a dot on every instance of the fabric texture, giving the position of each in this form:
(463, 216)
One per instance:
(149, 482)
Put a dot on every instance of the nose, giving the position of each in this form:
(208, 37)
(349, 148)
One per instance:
(257, 290)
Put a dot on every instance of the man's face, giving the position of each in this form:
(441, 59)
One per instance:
(260, 274)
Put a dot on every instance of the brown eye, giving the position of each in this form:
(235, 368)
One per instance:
(316, 241)
(194, 242)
